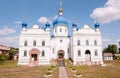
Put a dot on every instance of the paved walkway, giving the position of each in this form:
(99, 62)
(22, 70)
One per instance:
(62, 72)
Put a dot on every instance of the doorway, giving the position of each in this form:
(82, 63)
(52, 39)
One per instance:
(88, 56)
(61, 61)
(34, 55)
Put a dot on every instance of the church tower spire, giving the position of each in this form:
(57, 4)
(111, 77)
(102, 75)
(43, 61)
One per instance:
(60, 9)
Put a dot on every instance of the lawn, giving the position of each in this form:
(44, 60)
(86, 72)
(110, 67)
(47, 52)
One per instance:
(11, 70)
(111, 70)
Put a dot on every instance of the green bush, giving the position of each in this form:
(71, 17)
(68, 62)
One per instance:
(73, 68)
(52, 66)
(48, 73)
(77, 73)
(2, 57)
(49, 68)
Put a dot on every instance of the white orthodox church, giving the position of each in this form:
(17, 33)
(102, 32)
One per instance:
(38, 47)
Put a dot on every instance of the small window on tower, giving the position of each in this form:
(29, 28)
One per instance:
(65, 30)
(55, 30)
(60, 29)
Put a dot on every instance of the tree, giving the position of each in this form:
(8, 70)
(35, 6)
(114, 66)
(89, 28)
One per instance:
(105, 50)
(112, 48)
(11, 53)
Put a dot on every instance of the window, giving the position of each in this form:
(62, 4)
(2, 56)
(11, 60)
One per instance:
(25, 43)
(53, 50)
(96, 53)
(34, 43)
(78, 42)
(61, 40)
(55, 30)
(25, 53)
(43, 43)
(43, 53)
(87, 42)
(95, 42)
(79, 53)
(60, 29)
(65, 30)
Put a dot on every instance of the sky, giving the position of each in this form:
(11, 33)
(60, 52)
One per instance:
(14, 12)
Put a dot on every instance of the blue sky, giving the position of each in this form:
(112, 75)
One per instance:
(14, 12)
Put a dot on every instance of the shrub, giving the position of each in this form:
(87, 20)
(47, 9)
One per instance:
(49, 68)
(2, 57)
(77, 73)
(73, 68)
(52, 66)
(48, 73)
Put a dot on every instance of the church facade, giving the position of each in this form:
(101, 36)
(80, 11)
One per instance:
(38, 47)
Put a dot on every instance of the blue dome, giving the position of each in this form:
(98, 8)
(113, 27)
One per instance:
(60, 20)
(24, 25)
(47, 24)
(74, 25)
(97, 25)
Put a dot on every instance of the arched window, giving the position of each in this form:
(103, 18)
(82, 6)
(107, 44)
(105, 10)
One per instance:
(78, 42)
(60, 29)
(95, 42)
(61, 40)
(96, 53)
(87, 42)
(43, 43)
(25, 53)
(25, 43)
(34, 43)
(55, 30)
(79, 53)
(65, 30)
(53, 51)
(43, 53)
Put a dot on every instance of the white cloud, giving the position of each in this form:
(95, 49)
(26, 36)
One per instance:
(6, 31)
(110, 12)
(106, 40)
(55, 17)
(10, 41)
(43, 20)
(17, 22)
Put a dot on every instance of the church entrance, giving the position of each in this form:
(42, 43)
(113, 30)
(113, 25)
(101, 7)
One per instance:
(88, 56)
(34, 54)
(34, 57)
(61, 61)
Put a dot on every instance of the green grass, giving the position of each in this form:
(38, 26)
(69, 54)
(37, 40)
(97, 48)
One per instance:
(11, 70)
(112, 70)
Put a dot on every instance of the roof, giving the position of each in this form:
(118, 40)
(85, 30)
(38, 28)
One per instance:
(60, 20)
(108, 54)
(3, 47)
(118, 55)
